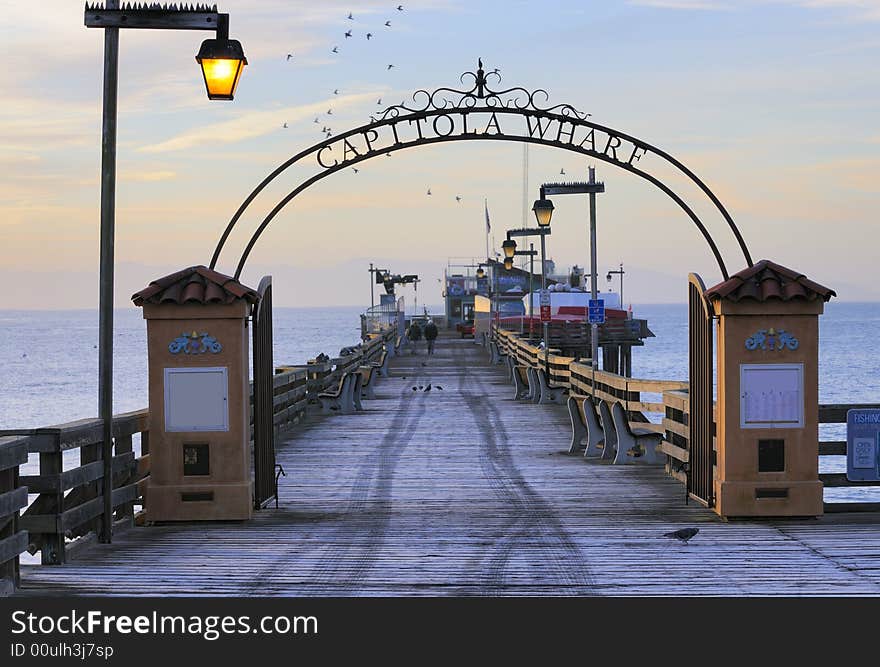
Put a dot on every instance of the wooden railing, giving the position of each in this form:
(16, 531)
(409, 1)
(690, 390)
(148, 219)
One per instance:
(13, 496)
(69, 502)
(672, 410)
(55, 514)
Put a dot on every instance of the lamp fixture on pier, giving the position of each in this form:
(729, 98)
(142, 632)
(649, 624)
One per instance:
(481, 273)
(508, 263)
(222, 61)
(543, 209)
(509, 248)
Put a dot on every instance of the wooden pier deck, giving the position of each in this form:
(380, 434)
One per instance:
(463, 491)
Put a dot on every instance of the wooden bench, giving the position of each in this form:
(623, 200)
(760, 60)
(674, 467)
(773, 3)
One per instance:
(637, 445)
(356, 389)
(522, 389)
(339, 398)
(497, 355)
(547, 391)
(586, 432)
(382, 364)
(534, 384)
(609, 433)
(367, 384)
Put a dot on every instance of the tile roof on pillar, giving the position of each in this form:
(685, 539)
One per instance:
(195, 284)
(767, 280)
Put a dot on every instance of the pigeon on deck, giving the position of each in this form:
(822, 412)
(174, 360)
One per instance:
(683, 534)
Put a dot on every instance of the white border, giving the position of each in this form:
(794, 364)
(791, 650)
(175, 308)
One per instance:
(198, 369)
(742, 408)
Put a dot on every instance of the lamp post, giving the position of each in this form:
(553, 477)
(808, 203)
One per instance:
(620, 272)
(543, 209)
(591, 187)
(530, 253)
(222, 61)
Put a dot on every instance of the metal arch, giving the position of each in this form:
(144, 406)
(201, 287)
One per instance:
(436, 140)
(481, 98)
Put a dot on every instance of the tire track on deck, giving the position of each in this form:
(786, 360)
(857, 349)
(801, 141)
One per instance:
(535, 523)
(335, 574)
(345, 564)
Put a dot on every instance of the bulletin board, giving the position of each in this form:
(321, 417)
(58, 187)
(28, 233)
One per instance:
(771, 395)
(196, 399)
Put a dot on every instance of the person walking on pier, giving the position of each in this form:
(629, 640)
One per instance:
(414, 335)
(431, 335)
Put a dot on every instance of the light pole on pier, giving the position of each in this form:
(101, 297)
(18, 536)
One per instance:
(222, 61)
(620, 273)
(509, 246)
(591, 187)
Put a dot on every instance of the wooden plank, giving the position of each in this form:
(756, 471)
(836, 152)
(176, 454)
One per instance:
(79, 476)
(836, 479)
(835, 413)
(13, 546)
(12, 501)
(832, 447)
(13, 451)
(678, 453)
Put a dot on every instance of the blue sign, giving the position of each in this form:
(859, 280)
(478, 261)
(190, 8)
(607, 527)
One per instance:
(863, 445)
(597, 311)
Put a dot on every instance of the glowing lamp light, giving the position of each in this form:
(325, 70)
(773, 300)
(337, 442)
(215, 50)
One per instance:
(508, 263)
(543, 209)
(480, 273)
(509, 247)
(222, 61)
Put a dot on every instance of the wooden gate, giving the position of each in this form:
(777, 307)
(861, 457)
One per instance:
(264, 427)
(701, 422)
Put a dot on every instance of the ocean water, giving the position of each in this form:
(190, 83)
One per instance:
(49, 360)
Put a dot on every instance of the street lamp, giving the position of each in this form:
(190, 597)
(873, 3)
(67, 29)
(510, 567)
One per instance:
(509, 248)
(543, 209)
(508, 263)
(620, 272)
(481, 273)
(222, 61)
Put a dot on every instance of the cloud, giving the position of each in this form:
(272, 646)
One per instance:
(250, 125)
(682, 4)
(148, 176)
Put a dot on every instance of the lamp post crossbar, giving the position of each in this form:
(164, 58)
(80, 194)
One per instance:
(153, 19)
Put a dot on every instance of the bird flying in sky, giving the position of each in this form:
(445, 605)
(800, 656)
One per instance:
(336, 91)
(285, 125)
(400, 8)
(335, 49)
(289, 56)
(562, 172)
(356, 170)
(348, 33)
(350, 17)
(429, 190)
(379, 101)
(369, 34)
(390, 66)
(329, 112)
(387, 24)
(457, 198)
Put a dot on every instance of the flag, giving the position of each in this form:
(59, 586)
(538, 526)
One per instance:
(488, 226)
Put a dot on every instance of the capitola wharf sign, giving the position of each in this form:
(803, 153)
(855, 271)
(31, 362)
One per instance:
(436, 126)
(485, 114)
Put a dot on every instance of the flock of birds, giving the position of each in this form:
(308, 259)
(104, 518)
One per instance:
(326, 130)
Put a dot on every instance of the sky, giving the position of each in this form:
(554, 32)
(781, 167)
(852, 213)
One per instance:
(773, 103)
